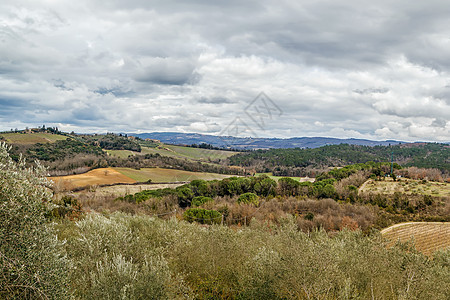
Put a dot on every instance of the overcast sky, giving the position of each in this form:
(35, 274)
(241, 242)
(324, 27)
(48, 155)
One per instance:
(361, 69)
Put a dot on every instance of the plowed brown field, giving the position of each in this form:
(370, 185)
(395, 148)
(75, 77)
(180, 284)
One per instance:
(427, 236)
(101, 176)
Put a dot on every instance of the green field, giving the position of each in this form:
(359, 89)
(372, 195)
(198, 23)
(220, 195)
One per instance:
(276, 178)
(197, 154)
(32, 138)
(407, 186)
(167, 175)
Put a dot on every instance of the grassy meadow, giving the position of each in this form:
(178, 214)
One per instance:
(101, 176)
(197, 154)
(125, 189)
(299, 179)
(111, 176)
(32, 138)
(167, 175)
(407, 186)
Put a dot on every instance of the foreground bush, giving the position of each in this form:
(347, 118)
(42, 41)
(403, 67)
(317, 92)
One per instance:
(140, 257)
(31, 259)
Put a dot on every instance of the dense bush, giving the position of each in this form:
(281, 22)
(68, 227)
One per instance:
(248, 198)
(182, 260)
(203, 216)
(32, 264)
(112, 141)
(199, 200)
(288, 186)
(233, 186)
(110, 259)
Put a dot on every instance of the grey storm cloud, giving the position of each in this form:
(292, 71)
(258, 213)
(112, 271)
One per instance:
(167, 71)
(349, 68)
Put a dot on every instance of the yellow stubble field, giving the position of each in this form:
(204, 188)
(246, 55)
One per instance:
(427, 236)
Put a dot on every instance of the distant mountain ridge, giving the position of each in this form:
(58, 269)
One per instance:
(256, 143)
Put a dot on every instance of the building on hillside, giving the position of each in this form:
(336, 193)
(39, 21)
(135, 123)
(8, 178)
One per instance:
(152, 140)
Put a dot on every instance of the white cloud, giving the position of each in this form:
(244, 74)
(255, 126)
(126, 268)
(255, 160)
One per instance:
(345, 69)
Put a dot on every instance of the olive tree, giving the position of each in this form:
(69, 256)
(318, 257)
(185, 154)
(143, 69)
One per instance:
(32, 264)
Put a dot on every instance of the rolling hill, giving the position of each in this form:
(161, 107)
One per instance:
(32, 138)
(255, 143)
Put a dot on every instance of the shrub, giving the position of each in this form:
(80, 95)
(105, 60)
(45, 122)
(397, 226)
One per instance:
(309, 216)
(202, 216)
(116, 257)
(288, 186)
(199, 200)
(248, 198)
(185, 195)
(32, 264)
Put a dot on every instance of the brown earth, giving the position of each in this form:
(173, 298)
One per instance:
(101, 176)
(427, 236)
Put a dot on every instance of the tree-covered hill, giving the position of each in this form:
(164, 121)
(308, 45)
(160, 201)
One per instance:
(422, 155)
(112, 141)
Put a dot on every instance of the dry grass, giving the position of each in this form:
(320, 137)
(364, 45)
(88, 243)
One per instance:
(111, 176)
(276, 178)
(167, 175)
(101, 176)
(124, 189)
(103, 199)
(407, 186)
(427, 236)
(32, 138)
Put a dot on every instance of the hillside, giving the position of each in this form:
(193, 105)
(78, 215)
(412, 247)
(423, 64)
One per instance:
(191, 153)
(293, 162)
(407, 186)
(255, 143)
(112, 176)
(31, 138)
(68, 154)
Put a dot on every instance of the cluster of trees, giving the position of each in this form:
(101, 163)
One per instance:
(211, 147)
(112, 141)
(59, 150)
(53, 130)
(425, 174)
(340, 184)
(203, 216)
(233, 186)
(283, 162)
(264, 186)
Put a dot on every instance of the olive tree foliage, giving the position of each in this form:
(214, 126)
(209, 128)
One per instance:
(32, 264)
(121, 256)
